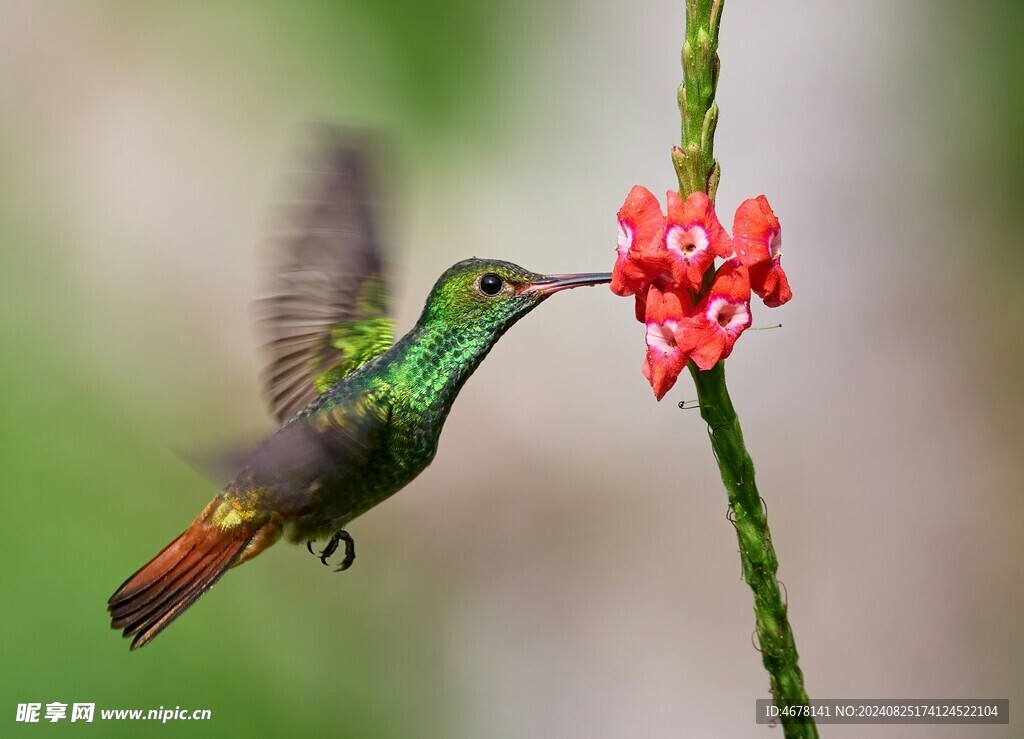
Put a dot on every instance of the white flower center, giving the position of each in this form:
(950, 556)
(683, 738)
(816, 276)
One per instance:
(662, 336)
(625, 236)
(686, 241)
(730, 316)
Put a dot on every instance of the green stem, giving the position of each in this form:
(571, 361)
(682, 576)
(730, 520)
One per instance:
(760, 565)
(695, 162)
(697, 169)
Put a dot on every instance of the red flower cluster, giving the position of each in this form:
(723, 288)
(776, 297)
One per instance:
(664, 260)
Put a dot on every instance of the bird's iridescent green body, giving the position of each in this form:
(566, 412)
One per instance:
(380, 424)
(361, 417)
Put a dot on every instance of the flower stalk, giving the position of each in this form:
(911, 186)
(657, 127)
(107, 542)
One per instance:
(694, 161)
(698, 170)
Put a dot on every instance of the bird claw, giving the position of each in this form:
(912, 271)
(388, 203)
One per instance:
(332, 547)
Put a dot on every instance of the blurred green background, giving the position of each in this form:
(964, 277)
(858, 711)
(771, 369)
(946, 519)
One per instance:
(565, 567)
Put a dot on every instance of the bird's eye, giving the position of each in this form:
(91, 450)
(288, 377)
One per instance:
(490, 285)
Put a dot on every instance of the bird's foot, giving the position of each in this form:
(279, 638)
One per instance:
(332, 547)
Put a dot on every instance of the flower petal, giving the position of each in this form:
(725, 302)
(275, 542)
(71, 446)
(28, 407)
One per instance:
(627, 276)
(667, 302)
(665, 358)
(641, 304)
(701, 340)
(732, 281)
(756, 232)
(641, 224)
(662, 370)
(724, 314)
(640, 219)
(697, 209)
(693, 238)
(710, 351)
(769, 280)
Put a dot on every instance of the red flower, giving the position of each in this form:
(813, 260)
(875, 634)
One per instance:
(666, 309)
(769, 280)
(663, 281)
(693, 238)
(721, 317)
(641, 225)
(757, 234)
(662, 262)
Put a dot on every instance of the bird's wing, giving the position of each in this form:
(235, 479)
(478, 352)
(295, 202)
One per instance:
(314, 446)
(327, 310)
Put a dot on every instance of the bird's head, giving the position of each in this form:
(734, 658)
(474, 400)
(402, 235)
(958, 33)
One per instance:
(490, 295)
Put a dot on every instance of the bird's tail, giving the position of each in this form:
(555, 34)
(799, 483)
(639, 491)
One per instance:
(150, 600)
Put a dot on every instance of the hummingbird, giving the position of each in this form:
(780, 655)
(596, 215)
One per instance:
(360, 414)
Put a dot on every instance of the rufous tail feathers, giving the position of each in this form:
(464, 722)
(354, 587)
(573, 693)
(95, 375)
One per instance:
(150, 600)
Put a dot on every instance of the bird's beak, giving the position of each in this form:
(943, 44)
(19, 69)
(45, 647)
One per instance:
(554, 283)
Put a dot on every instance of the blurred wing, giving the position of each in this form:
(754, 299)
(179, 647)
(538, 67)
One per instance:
(327, 310)
(316, 446)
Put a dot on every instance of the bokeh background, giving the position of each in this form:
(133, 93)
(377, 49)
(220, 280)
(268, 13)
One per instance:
(565, 568)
